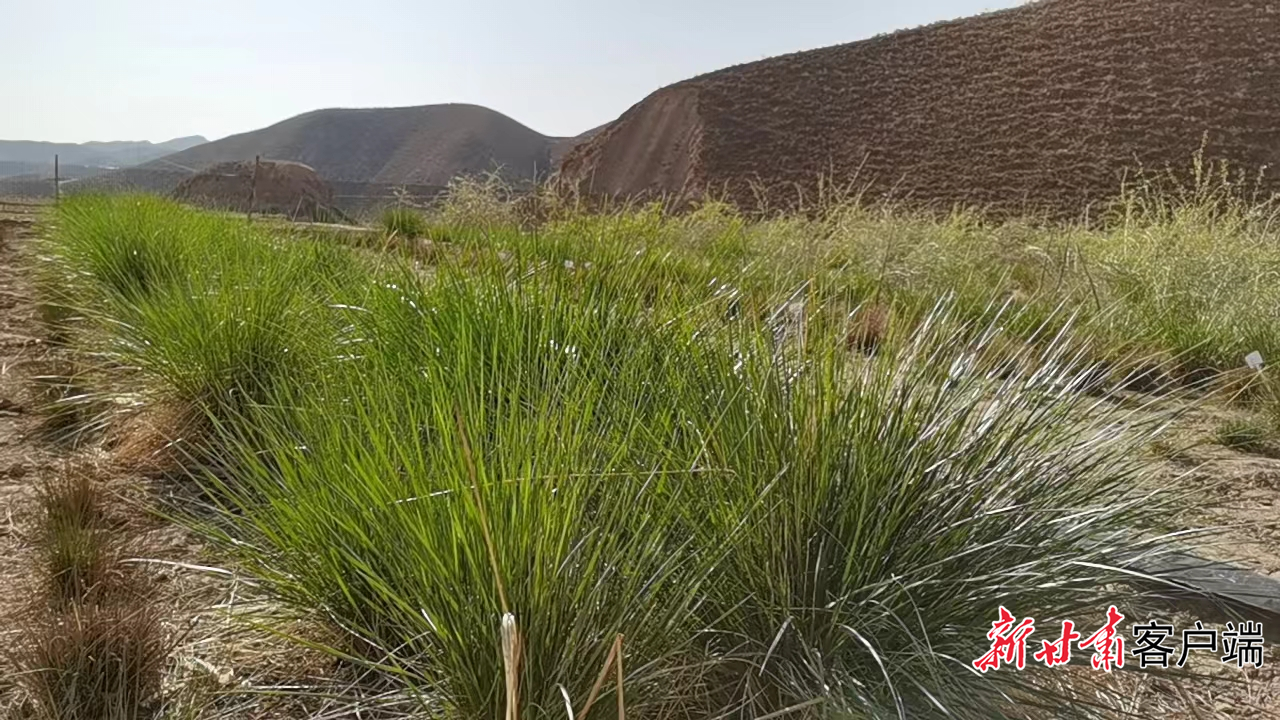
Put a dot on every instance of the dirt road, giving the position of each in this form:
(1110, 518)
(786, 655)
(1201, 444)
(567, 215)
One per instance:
(23, 458)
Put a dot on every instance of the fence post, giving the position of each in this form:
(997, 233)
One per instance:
(253, 185)
(57, 181)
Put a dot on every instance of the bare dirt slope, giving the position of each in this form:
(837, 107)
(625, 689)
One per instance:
(427, 145)
(1043, 106)
(282, 188)
(562, 146)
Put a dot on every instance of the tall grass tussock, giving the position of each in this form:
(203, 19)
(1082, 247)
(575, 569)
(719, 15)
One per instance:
(795, 463)
(186, 315)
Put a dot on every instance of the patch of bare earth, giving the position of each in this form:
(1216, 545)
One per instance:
(22, 461)
(1236, 496)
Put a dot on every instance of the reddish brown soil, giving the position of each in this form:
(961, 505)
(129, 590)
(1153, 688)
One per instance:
(279, 188)
(1046, 106)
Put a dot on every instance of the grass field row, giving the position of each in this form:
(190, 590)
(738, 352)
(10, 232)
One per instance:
(788, 466)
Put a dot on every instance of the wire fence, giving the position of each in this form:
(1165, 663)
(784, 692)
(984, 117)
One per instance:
(51, 178)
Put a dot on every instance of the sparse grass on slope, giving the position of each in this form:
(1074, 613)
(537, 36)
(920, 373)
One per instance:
(88, 646)
(79, 552)
(104, 662)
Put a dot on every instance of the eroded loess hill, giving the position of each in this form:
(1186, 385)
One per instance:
(1043, 107)
(278, 187)
(427, 145)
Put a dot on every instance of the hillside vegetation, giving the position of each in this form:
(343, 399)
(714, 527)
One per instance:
(781, 467)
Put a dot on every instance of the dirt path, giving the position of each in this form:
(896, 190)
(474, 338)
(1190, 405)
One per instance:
(24, 460)
(1237, 494)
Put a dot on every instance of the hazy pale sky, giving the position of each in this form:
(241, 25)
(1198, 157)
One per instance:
(82, 70)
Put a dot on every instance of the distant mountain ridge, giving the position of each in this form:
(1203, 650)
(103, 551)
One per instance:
(422, 145)
(366, 155)
(35, 157)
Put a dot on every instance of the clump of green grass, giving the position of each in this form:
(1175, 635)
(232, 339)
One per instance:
(404, 222)
(881, 509)
(110, 249)
(1249, 435)
(79, 551)
(412, 422)
(734, 507)
(201, 341)
(211, 349)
